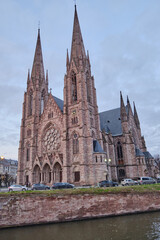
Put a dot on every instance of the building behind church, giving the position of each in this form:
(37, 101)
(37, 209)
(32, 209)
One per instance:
(70, 140)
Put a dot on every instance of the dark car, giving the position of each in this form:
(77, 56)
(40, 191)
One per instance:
(107, 183)
(40, 186)
(62, 185)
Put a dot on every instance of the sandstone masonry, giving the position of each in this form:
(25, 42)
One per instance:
(70, 140)
(21, 210)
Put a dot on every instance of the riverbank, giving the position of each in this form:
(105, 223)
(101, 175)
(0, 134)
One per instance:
(41, 207)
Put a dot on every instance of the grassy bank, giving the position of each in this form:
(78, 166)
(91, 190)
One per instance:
(114, 190)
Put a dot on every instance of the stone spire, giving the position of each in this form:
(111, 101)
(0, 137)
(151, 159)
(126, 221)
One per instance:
(88, 58)
(28, 78)
(67, 60)
(77, 47)
(123, 109)
(38, 75)
(47, 77)
(136, 119)
(129, 107)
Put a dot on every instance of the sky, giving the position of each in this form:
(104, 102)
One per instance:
(123, 39)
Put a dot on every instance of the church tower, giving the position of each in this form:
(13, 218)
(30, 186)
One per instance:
(83, 156)
(35, 99)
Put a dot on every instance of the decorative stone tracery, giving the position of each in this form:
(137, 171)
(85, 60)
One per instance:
(51, 139)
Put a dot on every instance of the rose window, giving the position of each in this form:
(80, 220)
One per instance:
(52, 139)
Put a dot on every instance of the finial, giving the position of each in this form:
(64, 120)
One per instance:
(47, 76)
(51, 90)
(28, 78)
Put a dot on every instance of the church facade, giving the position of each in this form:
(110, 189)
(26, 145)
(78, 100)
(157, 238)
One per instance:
(69, 140)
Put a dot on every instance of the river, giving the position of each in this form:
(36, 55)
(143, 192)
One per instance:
(144, 226)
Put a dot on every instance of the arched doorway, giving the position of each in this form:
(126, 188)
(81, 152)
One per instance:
(36, 174)
(46, 174)
(57, 173)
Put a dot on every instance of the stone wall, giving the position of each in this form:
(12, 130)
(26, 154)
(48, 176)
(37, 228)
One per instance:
(29, 209)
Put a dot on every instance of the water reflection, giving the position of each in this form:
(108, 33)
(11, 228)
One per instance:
(133, 227)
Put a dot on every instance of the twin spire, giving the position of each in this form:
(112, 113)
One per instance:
(77, 52)
(123, 112)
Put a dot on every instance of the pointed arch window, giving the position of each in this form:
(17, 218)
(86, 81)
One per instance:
(88, 82)
(42, 101)
(75, 144)
(74, 87)
(30, 105)
(27, 152)
(119, 153)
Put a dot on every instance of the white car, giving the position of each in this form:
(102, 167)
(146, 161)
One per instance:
(128, 182)
(17, 188)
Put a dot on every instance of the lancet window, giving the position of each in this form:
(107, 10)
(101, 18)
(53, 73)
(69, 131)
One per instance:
(120, 153)
(42, 101)
(75, 144)
(30, 105)
(74, 87)
(88, 88)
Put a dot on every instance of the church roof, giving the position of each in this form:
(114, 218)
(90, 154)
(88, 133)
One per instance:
(59, 102)
(147, 155)
(97, 147)
(139, 153)
(110, 121)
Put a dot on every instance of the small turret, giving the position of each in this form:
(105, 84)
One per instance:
(28, 78)
(136, 119)
(88, 59)
(130, 113)
(47, 78)
(123, 109)
(67, 61)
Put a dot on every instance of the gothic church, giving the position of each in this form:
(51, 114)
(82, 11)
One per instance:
(69, 140)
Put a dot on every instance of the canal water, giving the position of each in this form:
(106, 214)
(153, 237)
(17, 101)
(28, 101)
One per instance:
(133, 227)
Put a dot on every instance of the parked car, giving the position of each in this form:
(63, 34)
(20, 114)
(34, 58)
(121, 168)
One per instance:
(107, 183)
(158, 180)
(61, 185)
(146, 180)
(17, 188)
(39, 186)
(128, 182)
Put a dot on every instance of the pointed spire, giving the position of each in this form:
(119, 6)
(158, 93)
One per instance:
(122, 109)
(28, 78)
(67, 60)
(77, 48)
(136, 119)
(38, 68)
(129, 106)
(88, 58)
(47, 77)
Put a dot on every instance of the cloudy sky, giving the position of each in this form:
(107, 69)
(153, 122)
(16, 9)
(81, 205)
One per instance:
(123, 39)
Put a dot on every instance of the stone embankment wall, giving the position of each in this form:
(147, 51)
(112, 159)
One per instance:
(28, 209)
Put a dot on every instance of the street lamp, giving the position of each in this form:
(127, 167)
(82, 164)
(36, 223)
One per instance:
(108, 161)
